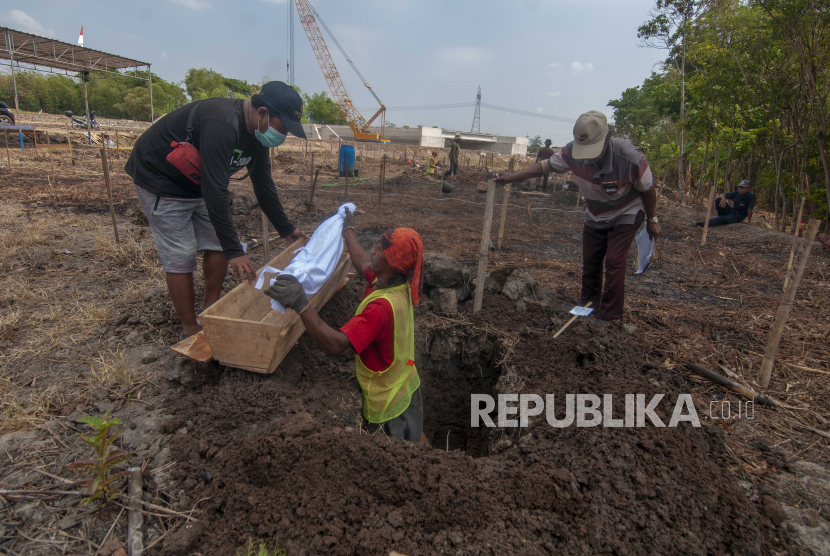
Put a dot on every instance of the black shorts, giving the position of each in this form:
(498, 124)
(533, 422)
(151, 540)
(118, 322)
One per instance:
(408, 425)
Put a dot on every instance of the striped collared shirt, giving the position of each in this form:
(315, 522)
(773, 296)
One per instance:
(613, 192)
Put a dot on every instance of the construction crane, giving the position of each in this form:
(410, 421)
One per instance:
(360, 126)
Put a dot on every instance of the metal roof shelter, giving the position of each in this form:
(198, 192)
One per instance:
(32, 52)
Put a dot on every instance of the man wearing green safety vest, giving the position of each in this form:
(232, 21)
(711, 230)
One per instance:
(431, 163)
(382, 332)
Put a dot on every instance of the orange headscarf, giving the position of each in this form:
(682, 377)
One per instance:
(404, 251)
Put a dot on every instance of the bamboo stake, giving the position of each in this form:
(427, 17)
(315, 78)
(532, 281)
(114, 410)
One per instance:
(503, 215)
(266, 231)
(69, 142)
(109, 191)
(783, 314)
(745, 391)
(310, 202)
(711, 201)
(117, 148)
(8, 154)
(135, 518)
(567, 324)
(51, 165)
(380, 188)
(796, 225)
(485, 245)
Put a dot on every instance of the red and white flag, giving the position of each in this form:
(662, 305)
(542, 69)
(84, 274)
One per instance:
(81, 37)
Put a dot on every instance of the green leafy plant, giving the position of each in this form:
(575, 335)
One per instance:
(257, 547)
(102, 479)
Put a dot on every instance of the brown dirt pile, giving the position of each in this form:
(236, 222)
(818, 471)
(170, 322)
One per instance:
(278, 457)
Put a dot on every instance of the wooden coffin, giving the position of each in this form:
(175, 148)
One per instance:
(241, 330)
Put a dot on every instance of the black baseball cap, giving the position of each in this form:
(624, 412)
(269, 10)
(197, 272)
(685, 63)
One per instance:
(745, 183)
(281, 99)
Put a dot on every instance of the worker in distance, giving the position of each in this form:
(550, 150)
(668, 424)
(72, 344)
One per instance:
(382, 332)
(182, 166)
(615, 179)
(743, 204)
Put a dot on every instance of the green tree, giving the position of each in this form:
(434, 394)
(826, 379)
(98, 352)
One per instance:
(534, 144)
(320, 109)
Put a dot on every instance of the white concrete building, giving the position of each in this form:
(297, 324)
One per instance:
(434, 137)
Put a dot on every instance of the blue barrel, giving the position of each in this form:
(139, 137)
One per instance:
(345, 161)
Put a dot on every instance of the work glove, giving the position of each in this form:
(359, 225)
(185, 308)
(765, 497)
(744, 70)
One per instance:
(288, 291)
(348, 221)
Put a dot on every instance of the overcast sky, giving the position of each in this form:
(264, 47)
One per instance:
(551, 57)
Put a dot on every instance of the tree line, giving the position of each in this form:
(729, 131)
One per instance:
(125, 97)
(743, 92)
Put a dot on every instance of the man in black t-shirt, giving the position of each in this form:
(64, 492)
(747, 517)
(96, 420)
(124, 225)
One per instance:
(743, 204)
(187, 217)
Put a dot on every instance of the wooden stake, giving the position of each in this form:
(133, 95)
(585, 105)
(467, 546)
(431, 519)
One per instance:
(69, 142)
(529, 212)
(711, 201)
(135, 517)
(503, 215)
(708, 214)
(8, 154)
(346, 192)
(109, 191)
(51, 165)
(796, 225)
(485, 245)
(741, 389)
(783, 314)
(567, 324)
(117, 148)
(34, 137)
(266, 232)
(311, 170)
(310, 202)
(381, 180)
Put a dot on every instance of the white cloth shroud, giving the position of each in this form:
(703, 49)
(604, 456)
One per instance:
(645, 249)
(314, 264)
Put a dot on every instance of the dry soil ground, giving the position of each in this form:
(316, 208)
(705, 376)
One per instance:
(86, 325)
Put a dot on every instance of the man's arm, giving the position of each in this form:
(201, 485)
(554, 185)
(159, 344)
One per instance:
(267, 196)
(331, 341)
(749, 216)
(533, 171)
(650, 202)
(360, 259)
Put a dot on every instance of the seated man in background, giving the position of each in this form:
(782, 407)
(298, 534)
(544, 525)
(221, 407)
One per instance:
(743, 203)
(382, 332)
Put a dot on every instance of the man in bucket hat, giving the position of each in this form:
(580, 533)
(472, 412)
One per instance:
(382, 332)
(614, 178)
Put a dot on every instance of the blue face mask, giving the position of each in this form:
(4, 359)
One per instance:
(271, 137)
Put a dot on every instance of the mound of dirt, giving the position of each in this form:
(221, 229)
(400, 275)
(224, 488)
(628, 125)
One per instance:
(281, 457)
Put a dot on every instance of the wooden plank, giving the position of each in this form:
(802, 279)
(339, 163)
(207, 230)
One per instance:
(711, 201)
(244, 301)
(195, 347)
(485, 245)
(236, 342)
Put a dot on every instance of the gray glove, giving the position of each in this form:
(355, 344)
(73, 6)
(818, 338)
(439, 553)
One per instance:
(348, 221)
(288, 291)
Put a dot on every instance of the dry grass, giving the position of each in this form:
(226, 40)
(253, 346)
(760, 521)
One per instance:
(19, 414)
(129, 253)
(114, 366)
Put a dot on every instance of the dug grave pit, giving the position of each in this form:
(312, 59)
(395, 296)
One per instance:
(280, 457)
